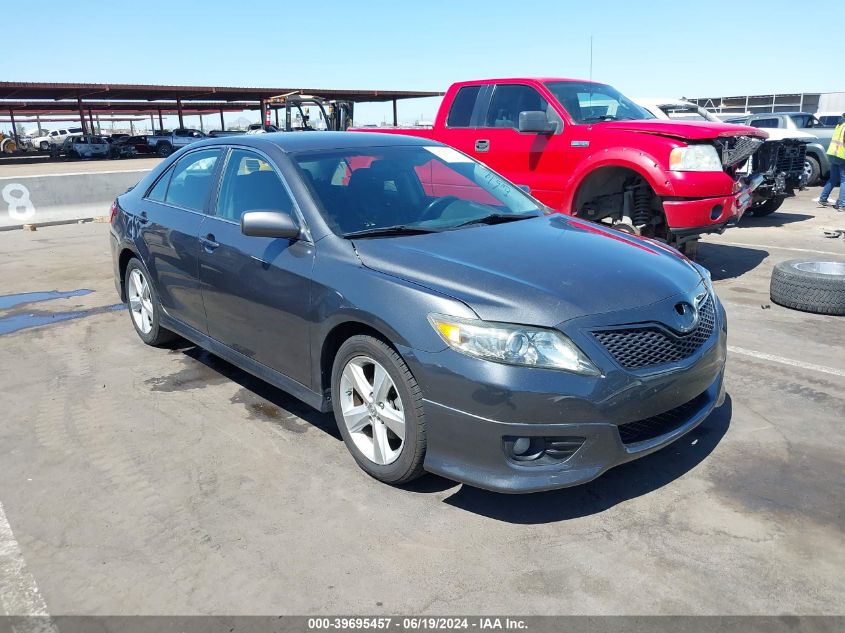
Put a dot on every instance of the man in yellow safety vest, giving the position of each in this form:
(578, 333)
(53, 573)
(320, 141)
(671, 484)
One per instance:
(836, 151)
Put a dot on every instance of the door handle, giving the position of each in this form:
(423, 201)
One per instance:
(482, 145)
(143, 219)
(208, 242)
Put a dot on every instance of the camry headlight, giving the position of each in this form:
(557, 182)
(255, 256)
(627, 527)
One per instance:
(513, 344)
(695, 158)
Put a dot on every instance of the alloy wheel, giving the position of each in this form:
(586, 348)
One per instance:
(372, 410)
(140, 301)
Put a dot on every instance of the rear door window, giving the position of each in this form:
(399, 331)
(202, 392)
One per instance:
(764, 123)
(460, 114)
(192, 180)
(508, 101)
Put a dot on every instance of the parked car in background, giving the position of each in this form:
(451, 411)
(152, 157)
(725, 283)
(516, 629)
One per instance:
(258, 128)
(82, 146)
(818, 165)
(222, 133)
(586, 150)
(141, 144)
(781, 161)
(829, 119)
(119, 148)
(165, 143)
(54, 137)
(448, 319)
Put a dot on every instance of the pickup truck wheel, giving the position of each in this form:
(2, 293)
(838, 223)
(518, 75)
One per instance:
(44, 146)
(809, 286)
(164, 149)
(812, 170)
(378, 407)
(766, 207)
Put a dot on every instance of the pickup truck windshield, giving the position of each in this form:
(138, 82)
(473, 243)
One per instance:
(386, 191)
(588, 102)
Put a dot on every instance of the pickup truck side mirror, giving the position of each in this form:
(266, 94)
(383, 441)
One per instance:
(269, 224)
(536, 122)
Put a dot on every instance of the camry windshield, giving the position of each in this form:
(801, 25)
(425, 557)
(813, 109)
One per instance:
(379, 191)
(588, 102)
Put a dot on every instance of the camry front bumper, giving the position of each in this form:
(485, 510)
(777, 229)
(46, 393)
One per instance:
(479, 451)
(521, 429)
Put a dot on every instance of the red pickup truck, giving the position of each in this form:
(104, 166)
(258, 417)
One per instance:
(584, 149)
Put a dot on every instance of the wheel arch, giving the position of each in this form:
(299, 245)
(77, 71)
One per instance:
(618, 159)
(337, 336)
(126, 254)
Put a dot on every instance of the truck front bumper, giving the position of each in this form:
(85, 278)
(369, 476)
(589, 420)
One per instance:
(689, 217)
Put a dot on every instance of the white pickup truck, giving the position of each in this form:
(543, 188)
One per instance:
(165, 143)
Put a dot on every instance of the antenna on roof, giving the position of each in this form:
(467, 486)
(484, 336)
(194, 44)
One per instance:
(591, 57)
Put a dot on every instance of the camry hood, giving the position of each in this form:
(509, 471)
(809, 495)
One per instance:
(687, 130)
(541, 271)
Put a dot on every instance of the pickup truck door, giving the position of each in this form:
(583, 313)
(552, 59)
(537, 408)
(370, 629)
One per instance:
(256, 290)
(530, 159)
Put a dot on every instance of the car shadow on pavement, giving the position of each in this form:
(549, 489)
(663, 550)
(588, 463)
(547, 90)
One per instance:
(775, 219)
(619, 484)
(261, 399)
(727, 262)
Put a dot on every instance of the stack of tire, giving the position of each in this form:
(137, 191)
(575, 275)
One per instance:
(809, 286)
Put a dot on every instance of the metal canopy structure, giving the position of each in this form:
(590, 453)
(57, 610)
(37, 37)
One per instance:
(30, 98)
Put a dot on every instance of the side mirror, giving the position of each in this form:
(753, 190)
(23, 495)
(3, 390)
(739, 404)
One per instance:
(269, 224)
(536, 122)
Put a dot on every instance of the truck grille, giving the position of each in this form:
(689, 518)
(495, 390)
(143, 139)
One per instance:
(737, 149)
(641, 346)
(661, 424)
(780, 156)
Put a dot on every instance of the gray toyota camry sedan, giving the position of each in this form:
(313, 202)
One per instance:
(451, 322)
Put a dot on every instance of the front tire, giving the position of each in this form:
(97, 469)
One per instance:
(164, 149)
(767, 207)
(144, 306)
(812, 170)
(378, 408)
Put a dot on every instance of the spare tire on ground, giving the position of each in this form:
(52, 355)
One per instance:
(810, 286)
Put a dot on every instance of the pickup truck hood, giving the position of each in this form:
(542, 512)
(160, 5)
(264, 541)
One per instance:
(541, 271)
(686, 130)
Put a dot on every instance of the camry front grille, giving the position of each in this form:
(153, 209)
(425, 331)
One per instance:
(641, 346)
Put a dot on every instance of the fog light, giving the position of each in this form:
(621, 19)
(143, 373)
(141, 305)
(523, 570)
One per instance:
(716, 212)
(540, 451)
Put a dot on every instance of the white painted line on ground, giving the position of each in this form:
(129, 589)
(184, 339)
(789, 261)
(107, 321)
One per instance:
(780, 248)
(76, 173)
(19, 595)
(786, 361)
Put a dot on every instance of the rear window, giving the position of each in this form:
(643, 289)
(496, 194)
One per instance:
(764, 123)
(460, 114)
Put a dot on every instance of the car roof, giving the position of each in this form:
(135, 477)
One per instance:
(315, 141)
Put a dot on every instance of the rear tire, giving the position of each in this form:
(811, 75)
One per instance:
(164, 149)
(809, 286)
(767, 207)
(380, 415)
(144, 305)
(812, 169)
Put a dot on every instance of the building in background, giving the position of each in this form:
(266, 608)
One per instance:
(786, 102)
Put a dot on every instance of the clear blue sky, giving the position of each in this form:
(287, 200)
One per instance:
(680, 48)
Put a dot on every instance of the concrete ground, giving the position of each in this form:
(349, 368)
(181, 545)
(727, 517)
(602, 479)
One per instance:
(164, 481)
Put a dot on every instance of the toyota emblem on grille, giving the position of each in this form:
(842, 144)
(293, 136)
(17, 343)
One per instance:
(686, 317)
